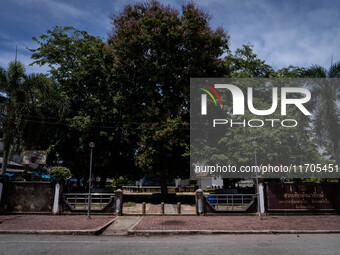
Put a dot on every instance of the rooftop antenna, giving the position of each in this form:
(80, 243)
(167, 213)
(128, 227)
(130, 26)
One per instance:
(16, 53)
(332, 60)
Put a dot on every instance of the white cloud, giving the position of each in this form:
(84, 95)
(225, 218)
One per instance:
(284, 32)
(54, 7)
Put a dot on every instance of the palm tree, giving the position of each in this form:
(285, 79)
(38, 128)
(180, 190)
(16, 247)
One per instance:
(21, 98)
(326, 105)
(10, 88)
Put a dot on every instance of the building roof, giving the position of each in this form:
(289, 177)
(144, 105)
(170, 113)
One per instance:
(11, 163)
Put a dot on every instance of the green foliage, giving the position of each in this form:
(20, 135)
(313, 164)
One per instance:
(245, 64)
(27, 103)
(326, 106)
(290, 72)
(156, 50)
(122, 180)
(131, 97)
(276, 146)
(192, 181)
(59, 172)
(82, 66)
(129, 204)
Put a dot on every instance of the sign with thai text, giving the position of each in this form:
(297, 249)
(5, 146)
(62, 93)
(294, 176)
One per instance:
(303, 196)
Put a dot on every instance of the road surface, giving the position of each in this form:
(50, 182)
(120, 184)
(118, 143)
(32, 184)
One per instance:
(196, 244)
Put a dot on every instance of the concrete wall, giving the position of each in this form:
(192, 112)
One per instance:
(204, 182)
(27, 197)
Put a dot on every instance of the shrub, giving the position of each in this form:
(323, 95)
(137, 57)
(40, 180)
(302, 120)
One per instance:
(59, 172)
(122, 180)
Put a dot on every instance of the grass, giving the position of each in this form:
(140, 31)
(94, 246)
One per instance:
(129, 204)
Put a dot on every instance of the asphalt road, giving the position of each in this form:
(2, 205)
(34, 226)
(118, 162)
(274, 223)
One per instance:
(198, 244)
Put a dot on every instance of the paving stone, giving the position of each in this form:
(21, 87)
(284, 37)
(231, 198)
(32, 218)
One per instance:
(50, 222)
(324, 222)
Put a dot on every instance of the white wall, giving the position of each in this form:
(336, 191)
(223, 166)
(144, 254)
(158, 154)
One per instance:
(217, 181)
(204, 182)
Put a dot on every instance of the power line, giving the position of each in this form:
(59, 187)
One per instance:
(109, 127)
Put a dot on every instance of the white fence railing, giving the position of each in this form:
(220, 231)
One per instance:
(79, 201)
(230, 202)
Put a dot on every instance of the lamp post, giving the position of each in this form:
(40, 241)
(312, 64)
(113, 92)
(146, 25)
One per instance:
(91, 145)
(57, 155)
(257, 181)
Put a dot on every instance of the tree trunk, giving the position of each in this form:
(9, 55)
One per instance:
(164, 187)
(78, 184)
(336, 152)
(26, 172)
(5, 159)
(102, 182)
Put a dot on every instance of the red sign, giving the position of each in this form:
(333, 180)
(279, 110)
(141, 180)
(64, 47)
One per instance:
(303, 196)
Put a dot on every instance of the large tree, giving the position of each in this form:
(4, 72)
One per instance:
(26, 103)
(326, 93)
(83, 68)
(277, 145)
(156, 49)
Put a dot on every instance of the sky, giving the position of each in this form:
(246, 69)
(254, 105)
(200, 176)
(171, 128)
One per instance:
(283, 32)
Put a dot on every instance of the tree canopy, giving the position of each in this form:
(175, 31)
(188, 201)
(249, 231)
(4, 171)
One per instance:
(326, 106)
(156, 50)
(26, 104)
(130, 95)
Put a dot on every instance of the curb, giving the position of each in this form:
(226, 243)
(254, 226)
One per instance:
(158, 214)
(229, 232)
(96, 231)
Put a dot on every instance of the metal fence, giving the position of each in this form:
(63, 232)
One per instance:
(231, 202)
(79, 201)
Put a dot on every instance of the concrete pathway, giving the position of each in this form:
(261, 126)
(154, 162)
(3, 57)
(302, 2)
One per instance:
(169, 208)
(121, 226)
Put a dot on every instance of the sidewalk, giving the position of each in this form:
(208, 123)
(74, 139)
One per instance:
(236, 224)
(148, 225)
(48, 224)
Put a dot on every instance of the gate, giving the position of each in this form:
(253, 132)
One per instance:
(79, 201)
(230, 202)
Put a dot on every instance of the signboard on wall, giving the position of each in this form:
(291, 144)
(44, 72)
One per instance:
(303, 196)
(34, 157)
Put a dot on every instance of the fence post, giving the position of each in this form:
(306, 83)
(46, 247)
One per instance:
(162, 208)
(200, 203)
(58, 197)
(144, 208)
(261, 196)
(118, 202)
(2, 181)
(179, 207)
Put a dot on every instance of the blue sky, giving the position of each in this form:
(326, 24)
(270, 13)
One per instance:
(284, 32)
